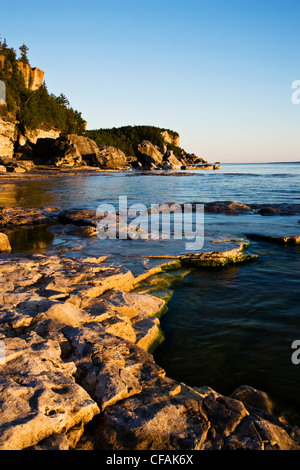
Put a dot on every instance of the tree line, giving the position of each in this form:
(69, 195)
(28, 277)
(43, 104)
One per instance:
(125, 137)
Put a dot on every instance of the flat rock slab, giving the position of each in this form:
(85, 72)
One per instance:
(39, 396)
(18, 216)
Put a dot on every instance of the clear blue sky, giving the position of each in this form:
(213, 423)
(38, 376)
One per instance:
(219, 72)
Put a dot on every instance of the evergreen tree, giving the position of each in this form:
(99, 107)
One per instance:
(24, 50)
(63, 100)
(125, 137)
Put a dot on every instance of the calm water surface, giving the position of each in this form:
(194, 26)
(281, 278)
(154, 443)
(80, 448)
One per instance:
(247, 183)
(235, 326)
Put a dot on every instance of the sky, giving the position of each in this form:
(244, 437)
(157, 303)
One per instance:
(219, 72)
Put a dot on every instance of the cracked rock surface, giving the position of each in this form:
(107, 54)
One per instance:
(77, 373)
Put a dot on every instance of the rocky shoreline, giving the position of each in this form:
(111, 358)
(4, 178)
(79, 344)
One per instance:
(78, 372)
(23, 151)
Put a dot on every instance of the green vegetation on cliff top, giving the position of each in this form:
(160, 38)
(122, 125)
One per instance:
(35, 109)
(124, 137)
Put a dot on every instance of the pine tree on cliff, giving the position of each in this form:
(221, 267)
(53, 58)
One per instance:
(63, 100)
(4, 45)
(24, 50)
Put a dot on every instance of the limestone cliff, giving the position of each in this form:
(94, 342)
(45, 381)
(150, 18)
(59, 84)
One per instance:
(33, 77)
(10, 132)
(7, 138)
(11, 138)
(171, 139)
(34, 134)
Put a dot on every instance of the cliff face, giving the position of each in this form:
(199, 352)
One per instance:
(35, 134)
(7, 138)
(9, 132)
(9, 135)
(33, 77)
(170, 139)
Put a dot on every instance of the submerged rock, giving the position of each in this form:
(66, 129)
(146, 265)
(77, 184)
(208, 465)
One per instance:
(236, 208)
(79, 217)
(282, 240)
(18, 216)
(228, 207)
(254, 398)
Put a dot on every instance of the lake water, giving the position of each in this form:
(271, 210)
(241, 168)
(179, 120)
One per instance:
(235, 182)
(224, 327)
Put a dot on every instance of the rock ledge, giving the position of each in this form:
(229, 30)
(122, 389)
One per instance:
(77, 372)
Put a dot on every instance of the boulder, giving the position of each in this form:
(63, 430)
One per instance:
(25, 164)
(254, 398)
(66, 153)
(75, 150)
(111, 157)
(170, 161)
(87, 148)
(4, 243)
(148, 155)
(133, 162)
(58, 152)
(24, 152)
(13, 166)
(227, 207)
(192, 159)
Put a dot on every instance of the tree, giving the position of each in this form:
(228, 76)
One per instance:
(24, 50)
(3, 46)
(63, 100)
